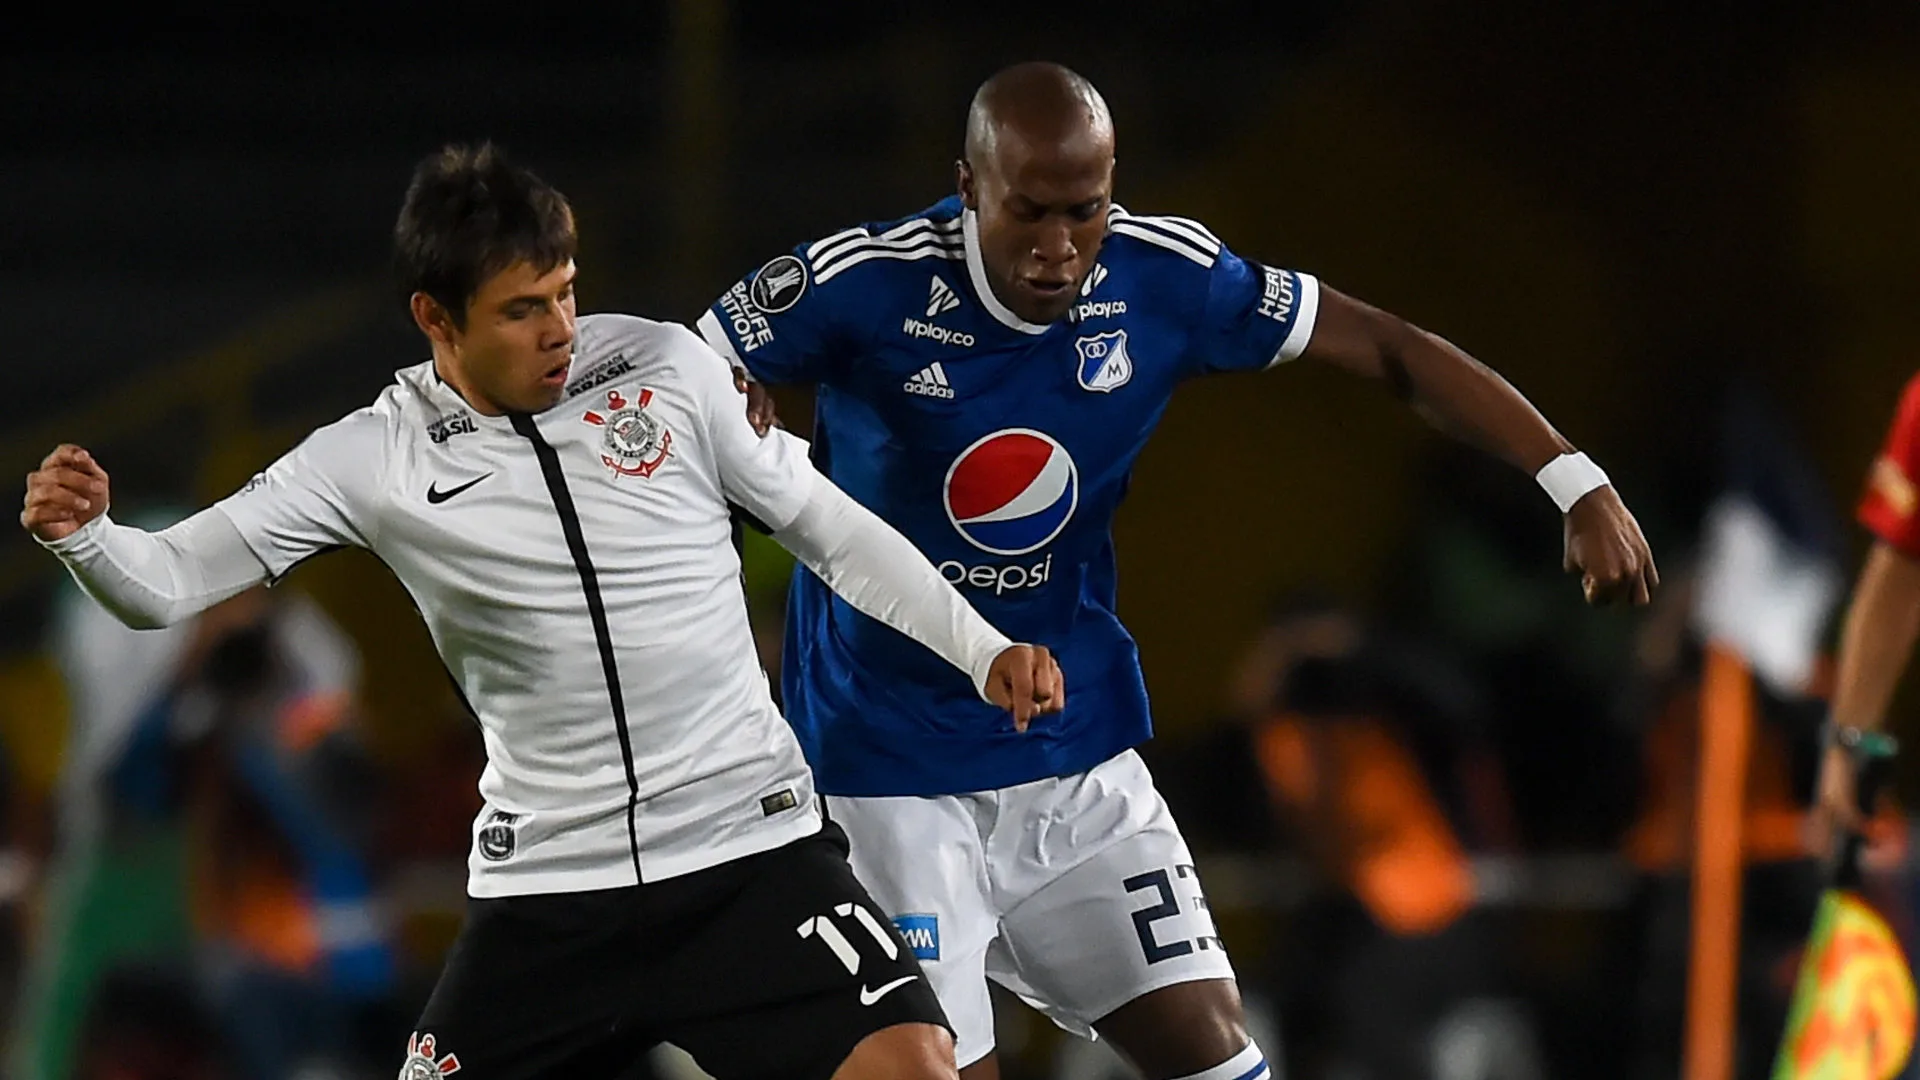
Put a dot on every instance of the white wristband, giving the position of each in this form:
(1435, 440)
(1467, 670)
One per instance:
(1569, 477)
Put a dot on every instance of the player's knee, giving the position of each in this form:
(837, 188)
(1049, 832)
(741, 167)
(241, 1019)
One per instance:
(902, 1052)
(1187, 1030)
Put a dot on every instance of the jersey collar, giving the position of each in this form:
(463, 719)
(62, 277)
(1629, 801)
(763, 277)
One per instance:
(449, 401)
(977, 271)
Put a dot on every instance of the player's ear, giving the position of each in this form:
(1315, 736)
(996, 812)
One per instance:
(963, 180)
(432, 318)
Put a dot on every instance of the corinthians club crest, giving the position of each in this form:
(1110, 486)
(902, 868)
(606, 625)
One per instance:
(636, 443)
(496, 838)
(421, 1063)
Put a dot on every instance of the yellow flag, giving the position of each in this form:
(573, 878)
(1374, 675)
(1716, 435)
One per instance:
(1853, 1006)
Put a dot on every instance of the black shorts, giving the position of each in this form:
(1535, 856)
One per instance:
(771, 966)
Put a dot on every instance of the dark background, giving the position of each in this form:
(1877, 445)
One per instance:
(1622, 206)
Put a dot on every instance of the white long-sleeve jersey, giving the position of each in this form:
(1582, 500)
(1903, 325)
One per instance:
(577, 573)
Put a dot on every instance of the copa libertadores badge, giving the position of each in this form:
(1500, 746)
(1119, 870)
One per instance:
(779, 284)
(636, 443)
(422, 1062)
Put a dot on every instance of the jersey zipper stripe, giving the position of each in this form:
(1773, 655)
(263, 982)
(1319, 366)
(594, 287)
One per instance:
(596, 611)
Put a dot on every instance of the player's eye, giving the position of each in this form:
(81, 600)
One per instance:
(1086, 211)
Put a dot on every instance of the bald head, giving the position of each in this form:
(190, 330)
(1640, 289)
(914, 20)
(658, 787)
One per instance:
(1038, 176)
(1036, 104)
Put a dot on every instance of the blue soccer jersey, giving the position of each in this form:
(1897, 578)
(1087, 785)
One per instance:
(1001, 448)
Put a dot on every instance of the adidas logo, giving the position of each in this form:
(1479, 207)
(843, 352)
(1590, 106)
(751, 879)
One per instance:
(930, 381)
(940, 298)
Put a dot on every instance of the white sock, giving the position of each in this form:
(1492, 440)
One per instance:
(1248, 1064)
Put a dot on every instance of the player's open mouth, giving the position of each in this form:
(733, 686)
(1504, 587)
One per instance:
(556, 376)
(1046, 287)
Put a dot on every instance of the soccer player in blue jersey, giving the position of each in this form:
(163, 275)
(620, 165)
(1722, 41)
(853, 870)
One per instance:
(987, 371)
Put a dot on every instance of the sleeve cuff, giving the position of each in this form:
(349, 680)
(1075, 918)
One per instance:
(1302, 333)
(1888, 526)
(79, 540)
(987, 650)
(716, 338)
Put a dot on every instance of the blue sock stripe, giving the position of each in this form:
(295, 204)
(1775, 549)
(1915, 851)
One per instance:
(1258, 1072)
(1248, 1064)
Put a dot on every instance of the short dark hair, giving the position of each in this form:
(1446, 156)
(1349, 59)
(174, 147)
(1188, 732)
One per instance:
(469, 214)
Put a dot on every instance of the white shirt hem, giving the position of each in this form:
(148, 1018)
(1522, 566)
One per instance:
(497, 880)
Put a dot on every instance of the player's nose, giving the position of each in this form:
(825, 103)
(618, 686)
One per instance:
(559, 333)
(1054, 244)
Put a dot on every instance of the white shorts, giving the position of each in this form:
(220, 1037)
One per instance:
(1077, 893)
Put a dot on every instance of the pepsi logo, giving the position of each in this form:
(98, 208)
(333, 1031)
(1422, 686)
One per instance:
(1012, 491)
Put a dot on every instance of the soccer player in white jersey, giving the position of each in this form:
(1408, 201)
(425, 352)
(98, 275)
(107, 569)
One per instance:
(554, 493)
(987, 371)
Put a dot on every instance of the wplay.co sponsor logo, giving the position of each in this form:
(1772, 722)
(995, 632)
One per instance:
(914, 328)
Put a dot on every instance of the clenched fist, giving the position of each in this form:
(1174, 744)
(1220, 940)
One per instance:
(1605, 547)
(68, 490)
(1026, 680)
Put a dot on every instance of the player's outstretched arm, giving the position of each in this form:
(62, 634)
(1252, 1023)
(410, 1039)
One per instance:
(860, 557)
(877, 570)
(1882, 625)
(147, 580)
(1467, 399)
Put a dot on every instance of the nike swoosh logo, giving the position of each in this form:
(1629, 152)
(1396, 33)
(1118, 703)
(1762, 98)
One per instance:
(436, 496)
(868, 997)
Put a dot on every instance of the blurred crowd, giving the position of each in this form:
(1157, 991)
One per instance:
(1447, 825)
(207, 901)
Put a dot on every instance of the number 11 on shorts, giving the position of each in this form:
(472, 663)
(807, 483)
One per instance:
(823, 927)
